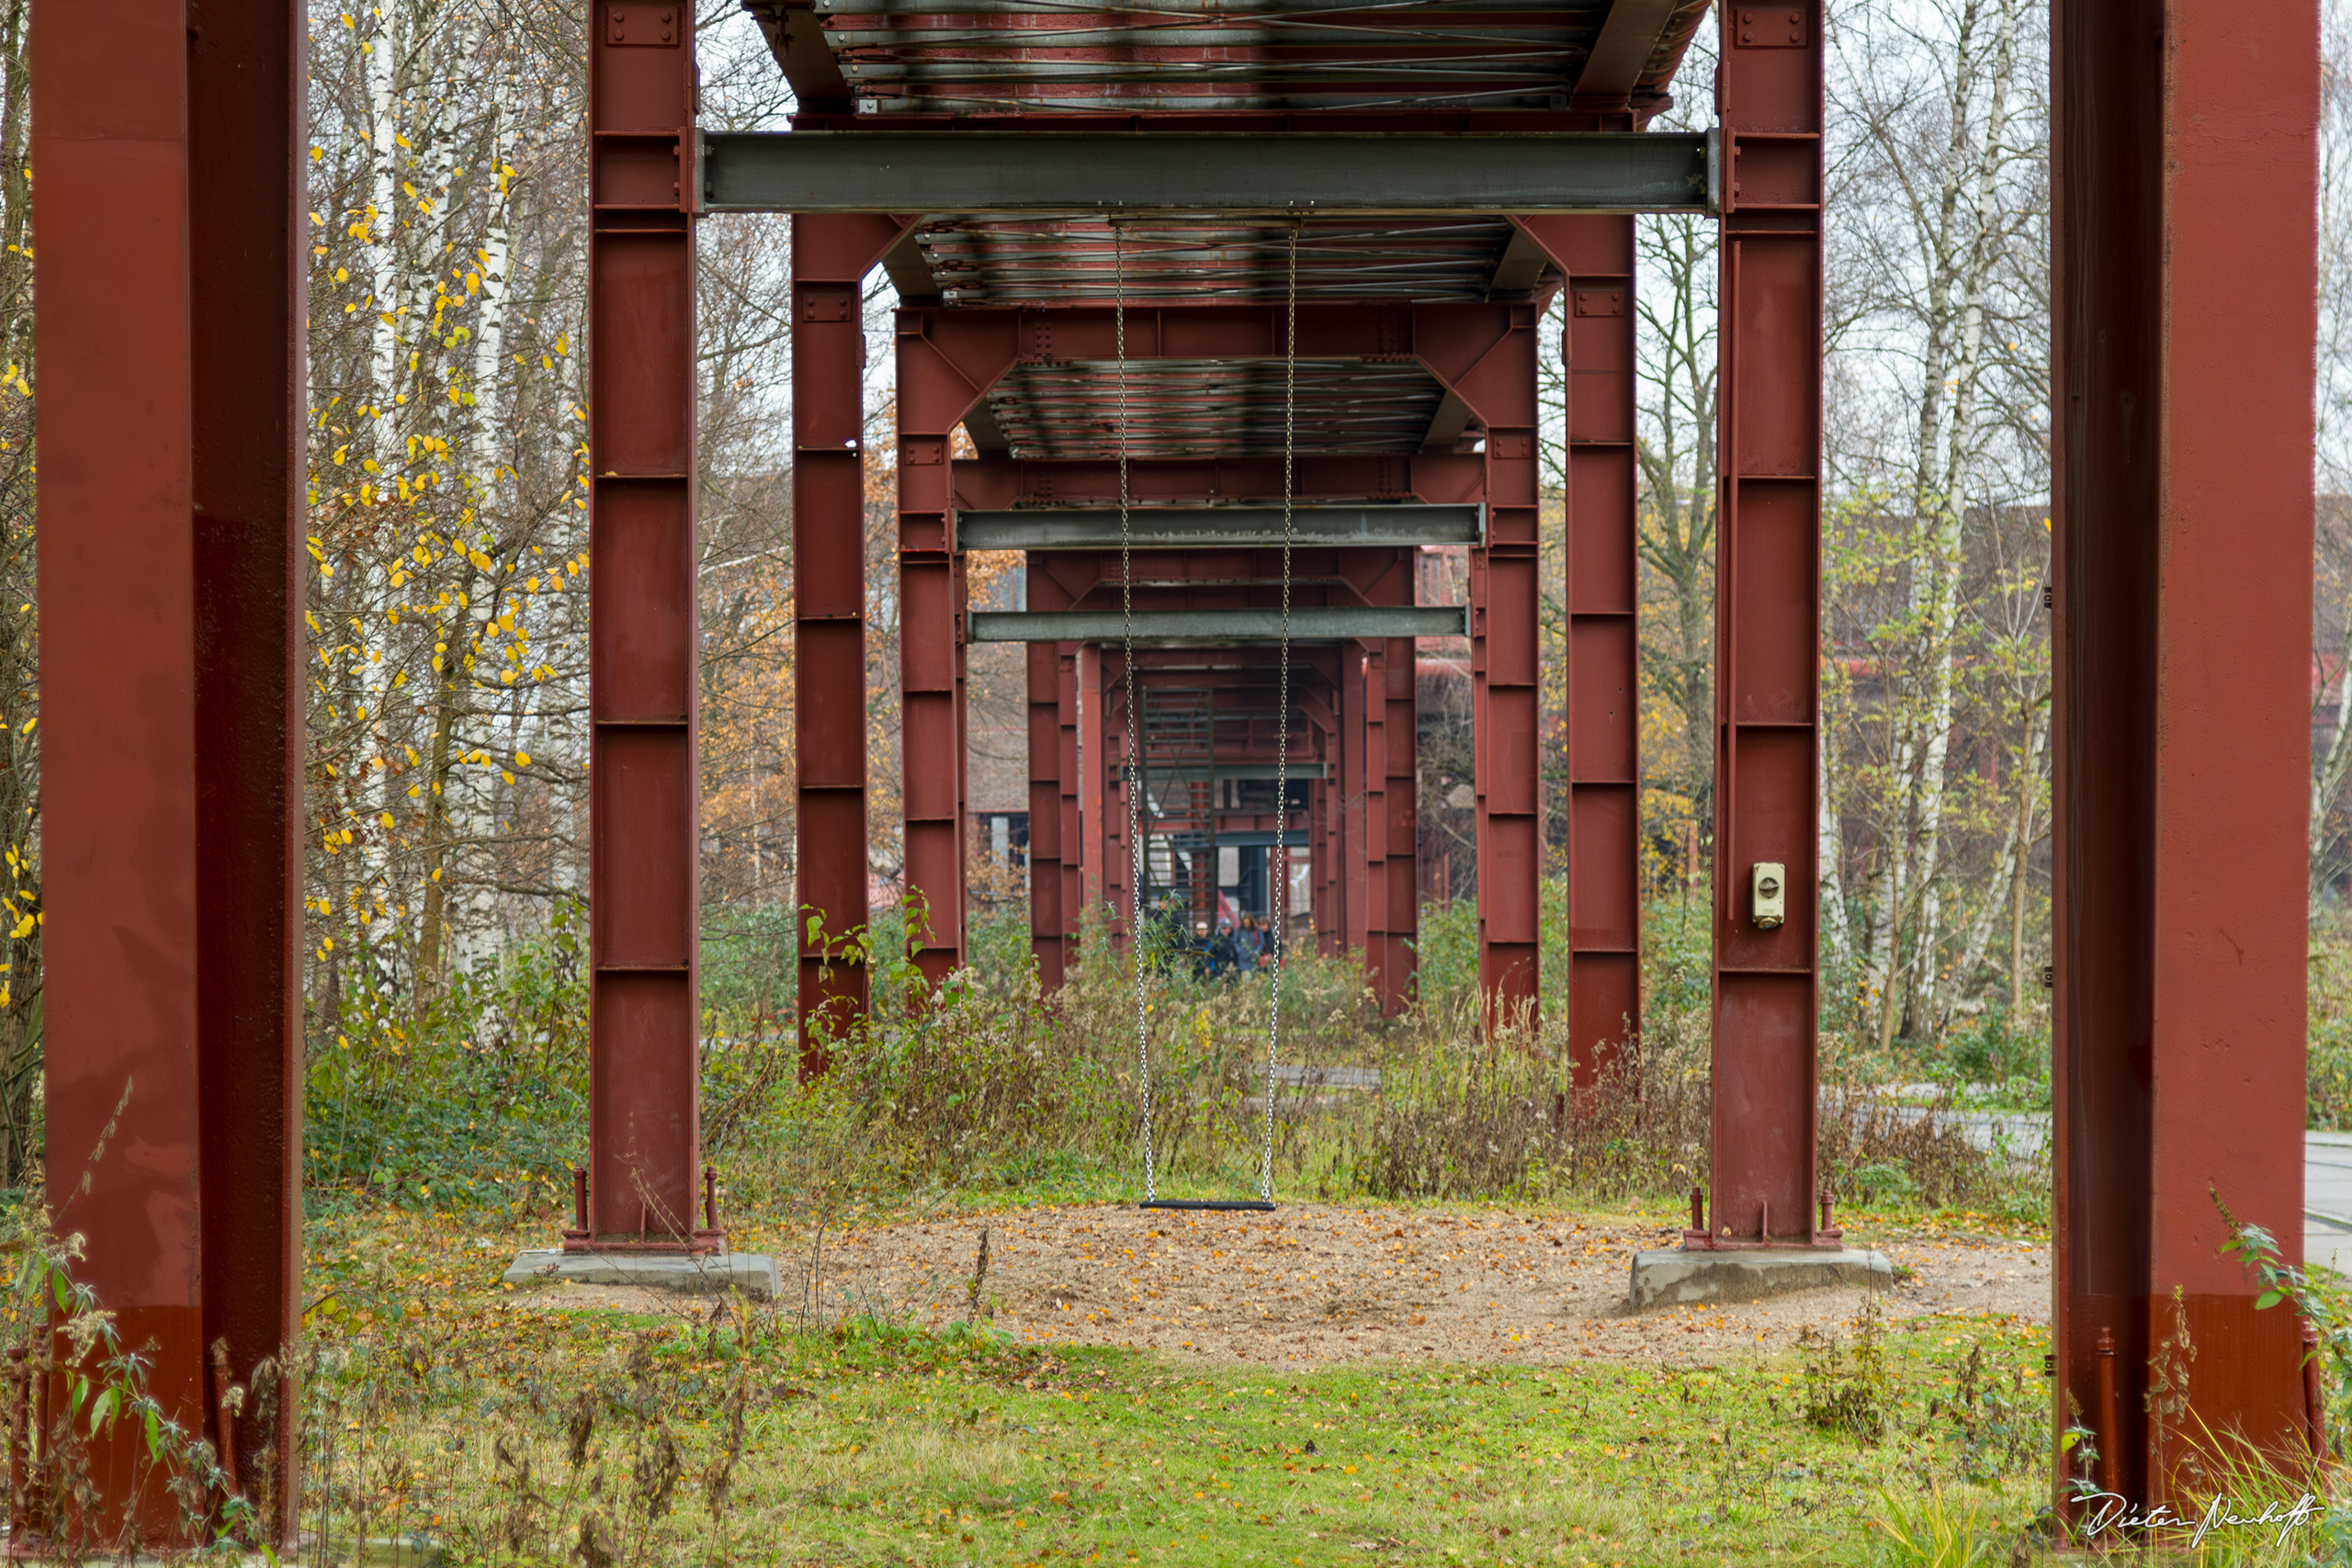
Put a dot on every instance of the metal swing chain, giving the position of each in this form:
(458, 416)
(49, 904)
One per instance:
(1281, 900)
(1135, 732)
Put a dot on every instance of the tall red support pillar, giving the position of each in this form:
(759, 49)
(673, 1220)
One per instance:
(1047, 924)
(1396, 827)
(2184, 170)
(1504, 655)
(1094, 776)
(1767, 621)
(1375, 820)
(1354, 865)
(1604, 720)
(1073, 821)
(831, 256)
(645, 1143)
(945, 365)
(931, 687)
(169, 165)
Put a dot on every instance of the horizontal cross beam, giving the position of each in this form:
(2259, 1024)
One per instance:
(1194, 772)
(1292, 173)
(1313, 622)
(1213, 527)
(1263, 839)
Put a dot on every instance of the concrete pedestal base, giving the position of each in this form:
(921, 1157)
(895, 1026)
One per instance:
(1677, 1278)
(747, 1274)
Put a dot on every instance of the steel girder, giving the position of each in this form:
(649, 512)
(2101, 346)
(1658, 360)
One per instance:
(1768, 636)
(1602, 719)
(2181, 724)
(1180, 527)
(170, 280)
(1234, 173)
(831, 257)
(645, 1143)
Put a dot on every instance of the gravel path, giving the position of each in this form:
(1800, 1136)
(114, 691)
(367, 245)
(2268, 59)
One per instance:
(1315, 1284)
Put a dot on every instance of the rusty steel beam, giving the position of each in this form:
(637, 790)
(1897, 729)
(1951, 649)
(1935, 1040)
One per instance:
(945, 361)
(1504, 598)
(1048, 924)
(1072, 822)
(1376, 819)
(1596, 255)
(1396, 173)
(1113, 776)
(831, 257)
(170, 166)
(645, 1145)
(1451, 478)
(1355, 866)
(1241, 624)
(2184, 171)
(1176, 527)
(1395, 828)
(248, 231)
(1093, 741)
(1768, 628)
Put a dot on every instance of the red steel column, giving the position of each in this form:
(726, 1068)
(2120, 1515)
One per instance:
(2184, 173)
(1352, 867)
(1073, 821)
(247, 227)
(1399, 827)
(1117, 778)
(1047, 923)
(1766, 623)
(945, 362)
(930, 666)
(831, 256)
(1604, 745)
(645, 1139)
(1375, 817)
(1093, 780)
(1322, 845)
(1504, 697)
(171, 695)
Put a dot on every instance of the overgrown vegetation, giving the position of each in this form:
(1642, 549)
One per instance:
(511, 1432)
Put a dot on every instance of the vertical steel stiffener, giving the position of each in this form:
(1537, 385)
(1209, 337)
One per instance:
(2184, 167)
(169, 160)
(1767, 624)
(644, 881)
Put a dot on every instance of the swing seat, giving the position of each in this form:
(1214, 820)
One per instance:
(1213, 1205)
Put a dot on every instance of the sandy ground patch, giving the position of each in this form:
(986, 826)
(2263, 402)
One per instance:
(1314, 1284)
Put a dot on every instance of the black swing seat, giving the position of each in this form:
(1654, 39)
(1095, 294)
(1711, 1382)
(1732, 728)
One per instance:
(1213, 1205)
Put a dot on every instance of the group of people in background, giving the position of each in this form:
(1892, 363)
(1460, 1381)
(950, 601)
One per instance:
(1226, 949)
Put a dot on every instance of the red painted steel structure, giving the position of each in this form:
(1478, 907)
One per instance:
(645, 1154)
(1767, 625)
(2184, 173)
(169, 162)
(1049, 924)
(831, 257)
(1604, 980)
(946, 363)
(1505, 595)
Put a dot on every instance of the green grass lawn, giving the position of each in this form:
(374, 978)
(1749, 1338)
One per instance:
(525, 1433)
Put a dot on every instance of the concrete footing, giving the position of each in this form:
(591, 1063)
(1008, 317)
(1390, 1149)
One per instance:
(744, 1273)
(1678, 1278)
